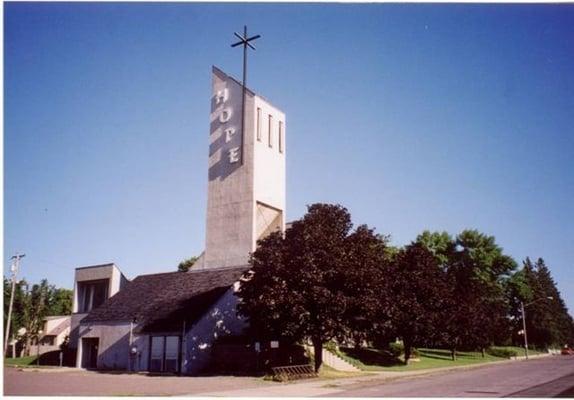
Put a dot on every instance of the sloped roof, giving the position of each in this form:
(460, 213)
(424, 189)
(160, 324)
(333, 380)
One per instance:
(159, 299)
(61, 327)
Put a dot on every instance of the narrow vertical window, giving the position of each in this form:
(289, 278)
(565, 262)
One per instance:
(259, 124)
(270, 131)
(280, 137)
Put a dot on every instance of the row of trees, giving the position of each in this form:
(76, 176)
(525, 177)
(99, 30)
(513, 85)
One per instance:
(32, 303)
(322, 280)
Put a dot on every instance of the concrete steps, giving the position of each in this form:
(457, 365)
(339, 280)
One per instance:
(334, 361)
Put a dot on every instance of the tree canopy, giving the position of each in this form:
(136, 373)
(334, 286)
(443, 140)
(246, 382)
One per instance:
(322, 280)
(186, 264)
(32, 305)
(310, 284)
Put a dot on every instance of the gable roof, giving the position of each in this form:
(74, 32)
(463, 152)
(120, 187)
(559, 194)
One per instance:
(61, 327)
(158, 300)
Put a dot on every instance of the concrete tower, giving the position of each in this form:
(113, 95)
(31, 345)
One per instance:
(246, 189)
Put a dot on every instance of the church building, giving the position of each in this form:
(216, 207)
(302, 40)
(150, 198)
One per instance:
(168, 322)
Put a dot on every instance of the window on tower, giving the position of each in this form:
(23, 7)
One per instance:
(258, 124)
(280, 137)
(270, 131)
(92, 294)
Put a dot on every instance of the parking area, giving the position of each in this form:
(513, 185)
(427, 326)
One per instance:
(72, 382)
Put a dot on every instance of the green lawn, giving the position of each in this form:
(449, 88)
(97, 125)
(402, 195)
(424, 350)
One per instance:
(30, 360)
(369, 359)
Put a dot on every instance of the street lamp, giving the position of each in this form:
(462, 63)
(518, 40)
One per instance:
(522, 306)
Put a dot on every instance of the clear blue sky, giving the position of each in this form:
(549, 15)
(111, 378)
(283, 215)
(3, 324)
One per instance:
(440, 117)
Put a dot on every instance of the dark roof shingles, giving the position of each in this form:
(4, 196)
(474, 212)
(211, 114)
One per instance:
(159, 297)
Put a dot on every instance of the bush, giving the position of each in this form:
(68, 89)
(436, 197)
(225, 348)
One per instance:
(396, 348)
(502, 352)
(331, 346)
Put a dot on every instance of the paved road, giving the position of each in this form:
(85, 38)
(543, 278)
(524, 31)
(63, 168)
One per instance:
(546, 377)
(72, 382)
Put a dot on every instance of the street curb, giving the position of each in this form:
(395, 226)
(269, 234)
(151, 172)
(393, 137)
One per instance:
(397, 375)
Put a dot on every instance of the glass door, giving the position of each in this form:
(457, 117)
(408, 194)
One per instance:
(156, 354)
(164, 354)
(171, 353)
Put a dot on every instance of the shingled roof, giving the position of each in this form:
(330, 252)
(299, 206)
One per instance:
(159, 300)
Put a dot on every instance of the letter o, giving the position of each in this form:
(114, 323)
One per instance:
(225, 115)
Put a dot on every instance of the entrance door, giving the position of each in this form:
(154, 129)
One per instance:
(164, 354)
(171, 353)
(90, 352)
(156, 354)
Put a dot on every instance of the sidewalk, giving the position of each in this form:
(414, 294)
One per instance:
(324, 387)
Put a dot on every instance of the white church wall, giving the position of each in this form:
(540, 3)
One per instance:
(220, 320)
(234, 220)
(269, 161)
(74, 329)
(230, 183)
(113, 346)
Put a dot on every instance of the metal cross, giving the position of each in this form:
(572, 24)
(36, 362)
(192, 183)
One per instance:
(244, 40)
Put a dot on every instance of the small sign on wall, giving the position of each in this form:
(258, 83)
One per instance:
(274, 344)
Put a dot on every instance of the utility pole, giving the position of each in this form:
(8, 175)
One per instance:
(524, 329)
(522, 307)
(14, 268)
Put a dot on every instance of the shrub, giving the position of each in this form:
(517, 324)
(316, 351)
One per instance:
(331, 346)
(396, 348)
(502, 352)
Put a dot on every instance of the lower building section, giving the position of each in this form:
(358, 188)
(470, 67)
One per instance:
(181, 346)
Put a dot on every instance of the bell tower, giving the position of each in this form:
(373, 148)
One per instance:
(246, 175)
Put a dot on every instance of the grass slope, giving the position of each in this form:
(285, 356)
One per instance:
(30, 360)
(369, 359)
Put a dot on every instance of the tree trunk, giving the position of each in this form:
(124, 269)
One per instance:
(408, 349)
(318, 348)
(483, 352)
(28, 345)
(453, 354)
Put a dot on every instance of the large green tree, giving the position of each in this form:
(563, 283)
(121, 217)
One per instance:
(548, 322)
(368, 302)
(416, 286)
(303, 286)
(476, 308)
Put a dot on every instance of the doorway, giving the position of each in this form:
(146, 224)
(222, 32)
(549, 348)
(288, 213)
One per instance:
(164, 354)
(90, 352)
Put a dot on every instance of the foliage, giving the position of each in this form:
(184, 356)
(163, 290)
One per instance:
(440, 244)
(502, 352)
(369, 359)
(368, 303)
(548, 322)
(59, 301)
(397, 349)
(416, 285)
(31, 307)
(28, 360)
(313, 284)
(475, 308)
(185, 265)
